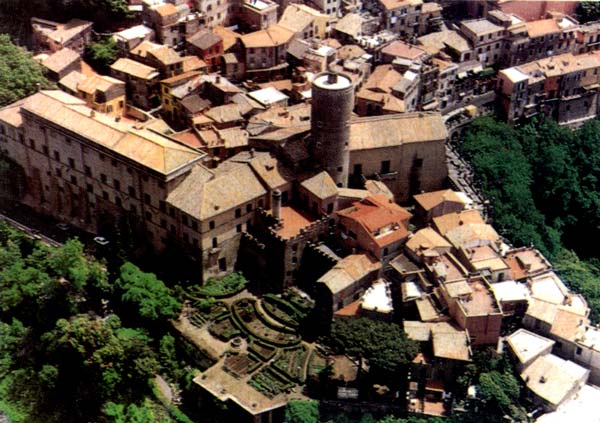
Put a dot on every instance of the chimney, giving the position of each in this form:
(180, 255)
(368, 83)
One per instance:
(332, 78)
(92, 113)
(252, 153)
(276, 204)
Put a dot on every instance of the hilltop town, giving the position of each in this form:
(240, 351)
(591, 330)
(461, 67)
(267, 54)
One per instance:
(300, 158)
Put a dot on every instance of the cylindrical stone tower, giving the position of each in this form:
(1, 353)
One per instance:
(276, 203)
(332, 104)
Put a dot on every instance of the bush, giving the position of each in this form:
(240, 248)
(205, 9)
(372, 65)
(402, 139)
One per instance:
(224, 287)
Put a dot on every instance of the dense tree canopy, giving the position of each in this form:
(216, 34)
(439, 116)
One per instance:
(384, 345)
(20, 75)
(63, 355)
(299, 411)
(101, 54)
(153, 300)
(543, 182)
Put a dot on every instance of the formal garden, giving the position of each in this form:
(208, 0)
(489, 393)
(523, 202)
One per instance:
(266, 348)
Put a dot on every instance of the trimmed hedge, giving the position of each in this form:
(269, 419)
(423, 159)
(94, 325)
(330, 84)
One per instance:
(249, 312)
(223, 287)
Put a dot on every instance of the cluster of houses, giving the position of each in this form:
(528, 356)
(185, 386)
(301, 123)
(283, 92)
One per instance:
(279, 138)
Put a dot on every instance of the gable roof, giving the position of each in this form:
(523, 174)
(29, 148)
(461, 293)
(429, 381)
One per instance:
(396, 129)
(204, 194)
(140, 145)
(204, 39)
(133, 68)
(273, 36)
(60, 60)
(321, 185)
(348, 271)
(429, 200)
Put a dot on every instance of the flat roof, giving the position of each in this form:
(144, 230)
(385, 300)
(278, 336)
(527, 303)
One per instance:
(527, 345)
(480, 302)
(510, 291)
(515, 75)
(378, 297)
(553, 379)
(341, 81)
(548, 287)
(582, 408)
(269, 95)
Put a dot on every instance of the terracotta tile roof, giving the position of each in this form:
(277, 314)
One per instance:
(229, 37)
(147, 148)
(224, 114)
(350, 51)
(272, 172)
(166, 9)
(165, 55)
(189, 138)
(273, 36)
(101, 83)
(568, 324)
(525, 262)
(204, 194)
(181, 78)
(383, 220)
(383, 78)
(442, 39)
(296, 19)
(193, 63)
(332, 42)
(472, 232)
(404, 50)
(234, 137)
(350, 24)
(143, 48)
(71, 29)
(395, 4)
(321, 185)
(542, 27)
(204, 39)
(426, 239)
(63, 58)
(433, 199)
(393, 130)
(348, 271)
(194, 103)
(71, 81)
(352, 309)
(447, 222)
(136, 69)
(481, 26)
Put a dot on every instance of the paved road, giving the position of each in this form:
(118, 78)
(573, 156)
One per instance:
(32, 232)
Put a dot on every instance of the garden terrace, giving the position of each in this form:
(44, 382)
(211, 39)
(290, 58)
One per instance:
(292, 363)
(220, 287)
(224, 329)
(316, 363)
(269, 383)
(240, 365)
(246, 317)
(263, 351)
(204, 311)
(282, 311)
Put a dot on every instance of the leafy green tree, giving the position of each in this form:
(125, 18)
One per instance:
(120, 413)
(101, 54)
(151, 297)
(588, 11)
(384, 345)
(300, 411)
(20, 75)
